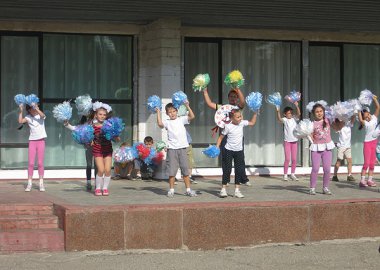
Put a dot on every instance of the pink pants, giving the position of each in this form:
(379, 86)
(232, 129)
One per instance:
(36, 147)
(290, 149)
(316, 157)
(369, 151)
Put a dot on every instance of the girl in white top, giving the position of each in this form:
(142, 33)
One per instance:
(369, 122)
(290, 141)
(36, 122)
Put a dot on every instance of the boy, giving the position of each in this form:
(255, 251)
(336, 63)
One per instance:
(177, 144)
(141, 169)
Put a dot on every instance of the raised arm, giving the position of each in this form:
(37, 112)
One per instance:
(298, 111)
(361, 120)
(377, 106)
(68, 126)
(41, 113)
(21, 119)
(252, 122)
(208, 101)
(241, 98)
(159, 118)
(191, 115)
(278, 115)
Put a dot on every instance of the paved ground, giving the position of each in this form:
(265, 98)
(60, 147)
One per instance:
(154, 192)
(343, 254)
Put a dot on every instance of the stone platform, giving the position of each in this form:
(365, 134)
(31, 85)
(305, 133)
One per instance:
(138, 215)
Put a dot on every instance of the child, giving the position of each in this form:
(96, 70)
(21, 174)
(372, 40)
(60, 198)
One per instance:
(36, 122)
(234, 150)
(344, 150)
(102, 149)
(122, 169)
(321, 149)
(290, 141)
(369, 122)
(177, 144)
(141, 169)
(236, 98)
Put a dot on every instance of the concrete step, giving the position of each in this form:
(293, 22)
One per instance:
(19, 222)
(26, 209)
(33, 240)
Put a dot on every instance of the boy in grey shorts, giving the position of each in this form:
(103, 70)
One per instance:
(177, 144)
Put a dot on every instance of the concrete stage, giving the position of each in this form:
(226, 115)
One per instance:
(138, 215)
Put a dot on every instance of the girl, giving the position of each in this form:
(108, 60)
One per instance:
(321, 149)
(102, 149)
(234, 151)
(369, 122)
(36, 121)
(290, 141)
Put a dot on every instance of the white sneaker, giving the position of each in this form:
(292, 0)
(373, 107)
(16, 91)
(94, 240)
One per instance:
(223, 193)
(326, 191)
(312, 191)
(28, 188)
(238, 194)
(170, 194)
(285, 177)
(293, 177)
(191, 193)
(42, 187)
(248, 184)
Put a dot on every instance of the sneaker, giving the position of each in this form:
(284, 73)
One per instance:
(335, 178)
(88, 187)
(98, 192)
(170, 194)
(371, 183)
(326, 191)
(223, 193)
(28, 188)
(363, 183)
(116, 177)
(293, 177)
(42, 187)
(238, 194)
(247, 184)
(285, 177)
(350, 178)
(312, 191)
(192, 180)
(191, 193)
(137, 177)
(105, 192)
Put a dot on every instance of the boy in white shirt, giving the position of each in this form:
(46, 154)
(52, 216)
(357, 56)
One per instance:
(177, 145)
(344, 151)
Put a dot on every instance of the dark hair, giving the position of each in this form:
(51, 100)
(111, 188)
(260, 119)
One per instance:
(286, 109)
(28, 108)
(317, 105)
(232, 112)
(362, 112)
(170, 106)
(232, 91)
(148, 139)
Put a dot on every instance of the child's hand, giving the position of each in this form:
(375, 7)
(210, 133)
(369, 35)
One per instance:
(296, 103)
(116, 139)
(65, 122)
(374, 97)
(158, 110)
(21, 106)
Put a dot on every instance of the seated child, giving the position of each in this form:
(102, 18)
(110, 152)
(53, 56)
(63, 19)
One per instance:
(141, 170)
(122, 170)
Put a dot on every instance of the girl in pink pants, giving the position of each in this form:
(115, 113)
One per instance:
(36, 122)
(369, 122)
(290, 141)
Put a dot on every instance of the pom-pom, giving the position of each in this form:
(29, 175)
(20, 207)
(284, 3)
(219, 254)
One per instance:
(234, 79)
(142, 150)
(303, 129)
(356, 106)
(366, 97)
(274, 99)
(201, 81)
(212, 151)
(343, 111)
(63, 111)
(83, 134)
(149, 159)
(182, 110)
(160, 145)
(254, 101)
(112, 127)
(158, 158)
(32, 100)
(153, 103)
(310, 105)
(83, 104)
(125, 154)
(179, 98)
(293, 96)
(20, 99)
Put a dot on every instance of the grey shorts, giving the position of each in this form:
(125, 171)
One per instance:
(177, 158)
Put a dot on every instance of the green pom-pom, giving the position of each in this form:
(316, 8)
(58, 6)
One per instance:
(234, 79)
(160, 145)
(201, 81)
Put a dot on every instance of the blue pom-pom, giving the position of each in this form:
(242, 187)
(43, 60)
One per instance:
(153, 103)
(112, 127)
(125, 154)
(20, 99)
(149, 159)
(179, 98)
(63, 111)
(293, 96)
(212, 151)
(275, 99)
(32, 99)
(254, 101)
(83, 134)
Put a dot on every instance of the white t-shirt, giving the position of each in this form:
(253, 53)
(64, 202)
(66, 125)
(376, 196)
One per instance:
(37, 127)
(177, 138)
(345, 136)
(234, 135)
(370, 128)
(289, 126)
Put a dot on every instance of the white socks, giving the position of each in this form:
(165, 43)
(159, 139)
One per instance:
(107, 180)
(98, 182)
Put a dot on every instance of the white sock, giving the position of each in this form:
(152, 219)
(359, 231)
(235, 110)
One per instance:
(369, 178)
(98, 181)
(236, 189)
(188, 189)
(29, 182)
(107, 180)
(363, 178)
(41, 182)
(171, 190)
